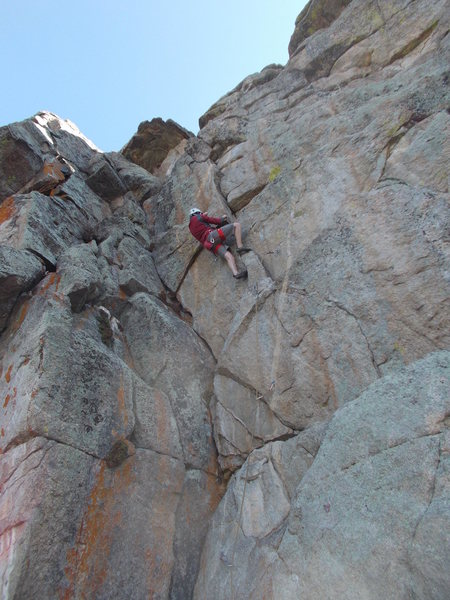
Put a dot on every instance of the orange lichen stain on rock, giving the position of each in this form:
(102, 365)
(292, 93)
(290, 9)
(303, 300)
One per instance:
(180, 217)
(8, 374)
(159, 553)
(6, 209)
(87, 562)
(121, 401)
(53, 170)
(21, 316)
(215, 491)
(9, 397)
(51, 280)
(122, 294)
(58, 297)
(128, 357)
(158, 571)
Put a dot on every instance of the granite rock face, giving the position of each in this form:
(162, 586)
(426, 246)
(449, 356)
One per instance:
(365, 516)
(108, 467)
(168, 431)
(336, 169)
(317, 14)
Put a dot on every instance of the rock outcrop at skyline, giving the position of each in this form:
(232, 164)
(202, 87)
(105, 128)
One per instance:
(170, 432)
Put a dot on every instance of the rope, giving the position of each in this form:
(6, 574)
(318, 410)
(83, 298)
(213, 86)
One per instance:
(239, 521)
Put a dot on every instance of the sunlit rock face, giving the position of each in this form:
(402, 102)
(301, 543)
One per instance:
(168, 431)
(109, 468)
(363, 516)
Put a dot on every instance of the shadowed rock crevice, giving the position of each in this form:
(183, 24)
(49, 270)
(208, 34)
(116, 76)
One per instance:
(412, 45)
(26, 437)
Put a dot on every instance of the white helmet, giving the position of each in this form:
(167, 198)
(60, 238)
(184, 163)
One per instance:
(194, 211)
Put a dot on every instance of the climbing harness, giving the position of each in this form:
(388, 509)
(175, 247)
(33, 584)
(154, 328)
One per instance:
(216, 247)
(221, 234)
(216, 244)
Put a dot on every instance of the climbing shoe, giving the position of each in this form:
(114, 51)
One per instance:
(241, 275)
(243, 250)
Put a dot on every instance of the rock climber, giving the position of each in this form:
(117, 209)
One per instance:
(215, 238)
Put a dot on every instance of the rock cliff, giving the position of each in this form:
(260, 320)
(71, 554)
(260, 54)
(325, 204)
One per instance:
(168, 431)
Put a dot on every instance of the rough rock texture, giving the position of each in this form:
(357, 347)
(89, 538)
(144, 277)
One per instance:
(108, 470)
(317, 14)
(365, 517)
(139, 380)
(337, 170)
(152, 142)
(19, 270)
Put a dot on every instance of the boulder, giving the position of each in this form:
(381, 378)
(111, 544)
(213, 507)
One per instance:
(137, 270)
(104, 180)
(18, 163)
(89, 208)
(67, 139)
(152, 142)
(80, 278)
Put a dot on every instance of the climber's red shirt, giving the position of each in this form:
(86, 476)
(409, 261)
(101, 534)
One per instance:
(199, 228)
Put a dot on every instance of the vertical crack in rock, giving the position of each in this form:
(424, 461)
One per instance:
(412, 45)
(432, 491)
(348, 312)
(241, 422)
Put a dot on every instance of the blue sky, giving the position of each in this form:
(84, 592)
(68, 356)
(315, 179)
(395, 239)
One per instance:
(108, 65)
